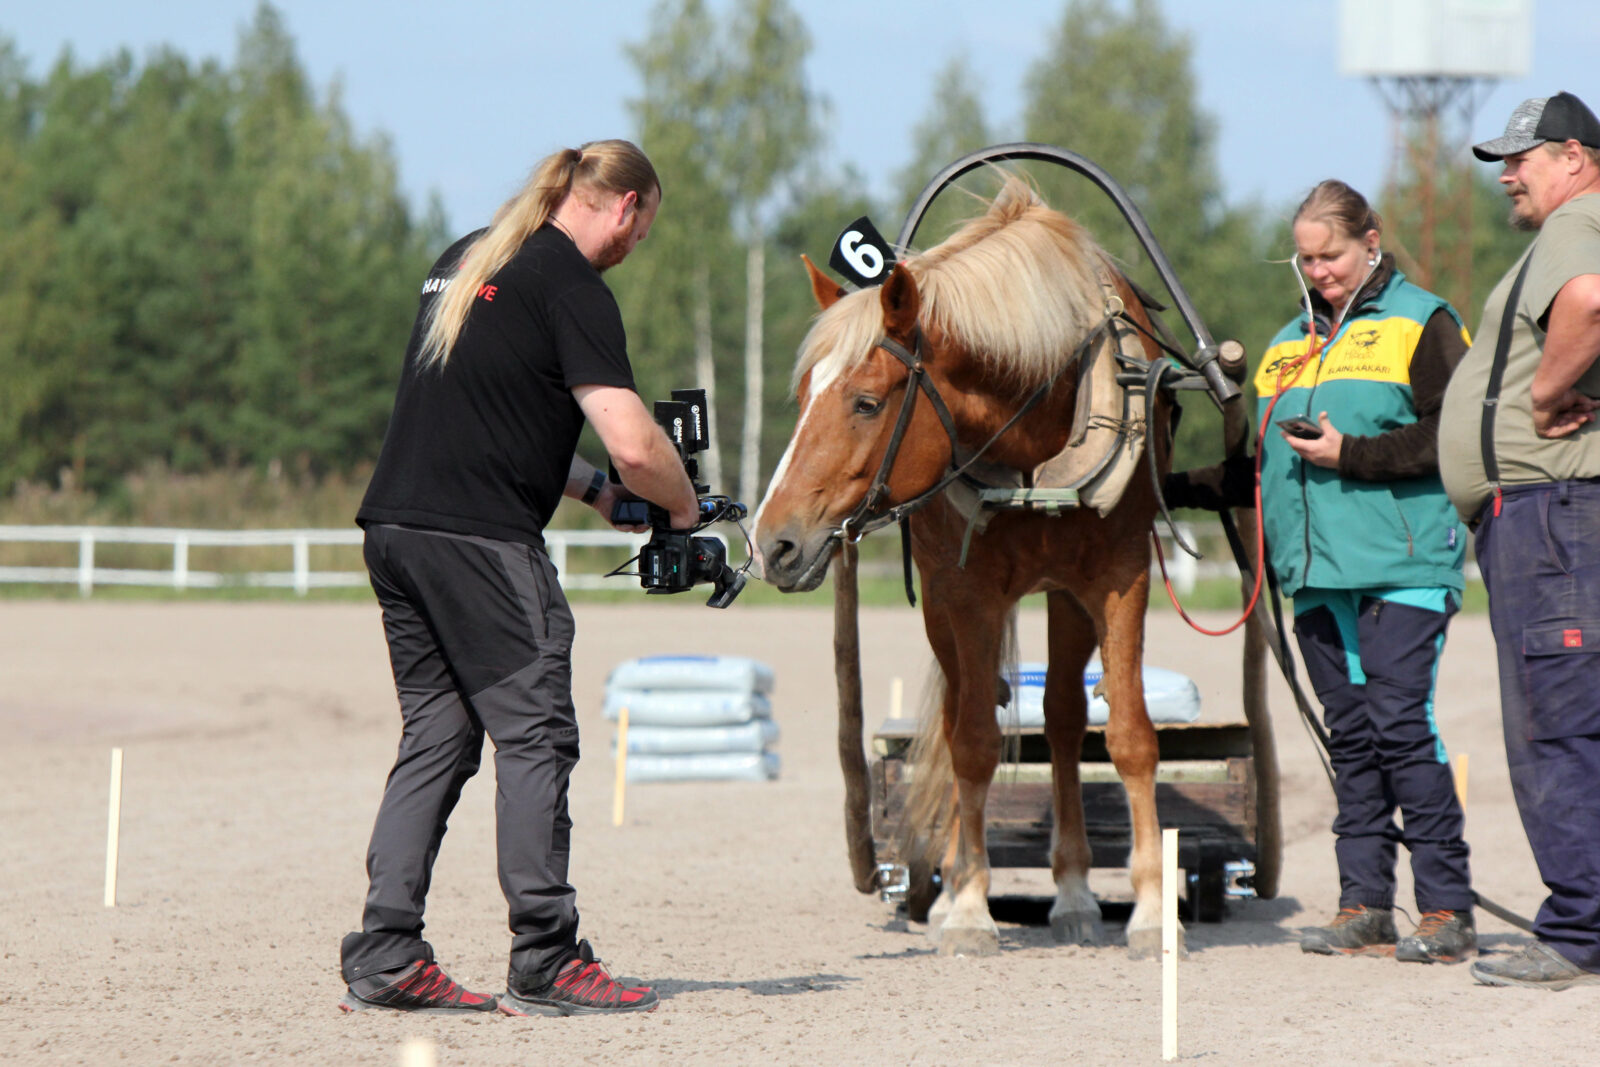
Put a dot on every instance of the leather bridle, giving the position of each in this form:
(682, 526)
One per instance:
(865, 518)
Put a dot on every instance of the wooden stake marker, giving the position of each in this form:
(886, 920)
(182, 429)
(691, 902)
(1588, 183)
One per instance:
(897, 692)
(1461, 780)
(418, 1052)
(113, 825)
(620, 792)
(1169, 945)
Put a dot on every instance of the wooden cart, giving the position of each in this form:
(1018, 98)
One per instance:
(1205, 788)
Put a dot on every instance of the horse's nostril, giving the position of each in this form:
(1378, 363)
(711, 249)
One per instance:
(781, 555)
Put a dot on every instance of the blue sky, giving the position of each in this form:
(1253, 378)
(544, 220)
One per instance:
(473, 94)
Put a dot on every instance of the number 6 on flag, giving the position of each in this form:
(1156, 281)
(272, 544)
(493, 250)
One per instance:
(861, 254)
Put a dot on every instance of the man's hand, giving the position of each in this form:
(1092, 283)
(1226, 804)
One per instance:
(1571, 345)
(606, 503)
(647, 463)
(1322, 451)
(1564, 415)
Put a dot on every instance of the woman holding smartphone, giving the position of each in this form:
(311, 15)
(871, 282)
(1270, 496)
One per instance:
(1364, 539)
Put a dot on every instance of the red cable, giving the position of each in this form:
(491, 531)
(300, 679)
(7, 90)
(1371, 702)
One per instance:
(1293, 365)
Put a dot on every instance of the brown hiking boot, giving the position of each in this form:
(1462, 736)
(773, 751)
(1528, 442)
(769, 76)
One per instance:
(1536, 967)
(1354, 931)
(1441, 937)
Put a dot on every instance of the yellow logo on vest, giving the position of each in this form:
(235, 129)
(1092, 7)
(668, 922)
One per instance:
(1370, 350)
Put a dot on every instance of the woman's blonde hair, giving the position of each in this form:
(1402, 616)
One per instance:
(613, 167)
(1332, 201)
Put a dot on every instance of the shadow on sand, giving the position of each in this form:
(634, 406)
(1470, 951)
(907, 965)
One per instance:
(762, 987)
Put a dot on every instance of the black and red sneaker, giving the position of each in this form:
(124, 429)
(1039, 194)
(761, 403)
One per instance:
(421, 987)
(581, 987)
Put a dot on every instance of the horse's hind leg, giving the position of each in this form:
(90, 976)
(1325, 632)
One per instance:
(1131, 742)
(1075, 915)
(940, 909)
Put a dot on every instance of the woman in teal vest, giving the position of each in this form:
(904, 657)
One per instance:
(1363, 538)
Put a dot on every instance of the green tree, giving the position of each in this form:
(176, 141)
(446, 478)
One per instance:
(677, 293)
(324, 221)
(769, 130)
(953, 126)
(30, 234)
(1469, 244)
(1118, 88)
(229, 271)
(822, 206)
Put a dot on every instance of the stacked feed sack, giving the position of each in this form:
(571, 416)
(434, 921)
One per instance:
(1169, 696)
(695, 717)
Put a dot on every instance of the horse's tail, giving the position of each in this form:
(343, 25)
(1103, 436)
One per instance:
(928, 817)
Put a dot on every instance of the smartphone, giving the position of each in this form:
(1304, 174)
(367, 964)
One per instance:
(1300, 427)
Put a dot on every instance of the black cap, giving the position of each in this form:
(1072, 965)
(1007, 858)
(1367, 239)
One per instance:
(1562, 117)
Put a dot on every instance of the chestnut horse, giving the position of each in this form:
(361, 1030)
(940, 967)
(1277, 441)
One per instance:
(993, 314)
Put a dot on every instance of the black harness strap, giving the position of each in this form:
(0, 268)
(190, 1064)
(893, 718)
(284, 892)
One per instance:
(905, 559)
(1497, 372)
(917, 379)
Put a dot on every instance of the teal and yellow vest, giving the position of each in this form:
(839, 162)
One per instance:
(1324, 531)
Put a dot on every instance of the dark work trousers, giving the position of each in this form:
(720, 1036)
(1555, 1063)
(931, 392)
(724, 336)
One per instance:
(480, 638)
(1540, 559)
(1377, 701)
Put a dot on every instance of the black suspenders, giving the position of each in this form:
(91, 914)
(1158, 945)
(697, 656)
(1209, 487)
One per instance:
(1497, 372)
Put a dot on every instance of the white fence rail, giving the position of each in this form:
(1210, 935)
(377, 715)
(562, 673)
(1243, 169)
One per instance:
(299, 576)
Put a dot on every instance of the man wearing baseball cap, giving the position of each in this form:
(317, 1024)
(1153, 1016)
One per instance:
(1519, 452)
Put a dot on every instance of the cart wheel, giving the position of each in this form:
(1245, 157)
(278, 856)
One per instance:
(922, 891)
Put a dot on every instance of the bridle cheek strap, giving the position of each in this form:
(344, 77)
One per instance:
(856, 525)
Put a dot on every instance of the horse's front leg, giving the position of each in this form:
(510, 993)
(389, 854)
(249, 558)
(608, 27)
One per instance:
(970, 659)
(1075, 916)
(1131, 742)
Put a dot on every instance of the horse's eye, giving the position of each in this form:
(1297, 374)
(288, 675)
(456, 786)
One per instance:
(865, 405)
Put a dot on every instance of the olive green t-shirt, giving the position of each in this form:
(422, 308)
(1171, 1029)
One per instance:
(1568, 245)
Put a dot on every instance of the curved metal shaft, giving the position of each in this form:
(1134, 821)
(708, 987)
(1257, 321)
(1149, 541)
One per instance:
(1221, 389)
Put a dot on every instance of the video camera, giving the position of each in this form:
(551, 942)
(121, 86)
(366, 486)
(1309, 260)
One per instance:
(674, 561)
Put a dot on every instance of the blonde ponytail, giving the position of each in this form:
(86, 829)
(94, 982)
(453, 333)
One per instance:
(613, 167)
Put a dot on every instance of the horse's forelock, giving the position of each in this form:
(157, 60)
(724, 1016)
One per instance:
(840, 338)
(1019, 284)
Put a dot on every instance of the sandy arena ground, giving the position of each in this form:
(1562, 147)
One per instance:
(257, 738)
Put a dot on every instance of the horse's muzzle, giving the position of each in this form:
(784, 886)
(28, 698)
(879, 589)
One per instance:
(795, 561)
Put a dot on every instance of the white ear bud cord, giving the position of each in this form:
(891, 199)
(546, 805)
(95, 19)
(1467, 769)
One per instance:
(1333, 331)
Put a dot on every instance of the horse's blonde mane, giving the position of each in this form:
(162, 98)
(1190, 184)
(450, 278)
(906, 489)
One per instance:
(1019, 285)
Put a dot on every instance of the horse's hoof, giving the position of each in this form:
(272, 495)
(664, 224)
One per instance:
(1078, 928)
(969, 941)
(1146, 944)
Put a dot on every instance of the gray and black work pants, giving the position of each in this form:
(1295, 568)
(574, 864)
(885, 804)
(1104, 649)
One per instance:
(1373, 664)
(1540, 559)
(480, 639)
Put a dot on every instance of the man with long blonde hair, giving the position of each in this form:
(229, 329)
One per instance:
(517, 342)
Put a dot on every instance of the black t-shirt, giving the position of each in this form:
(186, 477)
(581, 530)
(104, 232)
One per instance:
(483, 444)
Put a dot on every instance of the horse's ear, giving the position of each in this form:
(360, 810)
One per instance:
(901, 301)
(825, 289)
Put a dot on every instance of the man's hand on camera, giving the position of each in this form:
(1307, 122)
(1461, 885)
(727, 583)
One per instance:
(686, 520)
(606, 503)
